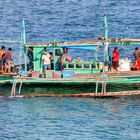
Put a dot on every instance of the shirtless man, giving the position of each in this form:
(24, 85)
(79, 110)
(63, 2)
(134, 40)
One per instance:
(62, 60)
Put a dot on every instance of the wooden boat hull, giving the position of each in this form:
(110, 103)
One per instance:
(68, 89)
(80, 85)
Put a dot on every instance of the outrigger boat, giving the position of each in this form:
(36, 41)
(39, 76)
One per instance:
(80, 78)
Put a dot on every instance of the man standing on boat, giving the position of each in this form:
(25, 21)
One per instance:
(136, 54)
(2, 57)
(62, 60)
(30, 57)
(46, 62)
(8, 58)
(115, 59)
(52, 60)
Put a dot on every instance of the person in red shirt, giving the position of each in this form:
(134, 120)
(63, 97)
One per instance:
(115, 59)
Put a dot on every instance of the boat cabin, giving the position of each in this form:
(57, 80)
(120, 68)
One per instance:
(77, 65)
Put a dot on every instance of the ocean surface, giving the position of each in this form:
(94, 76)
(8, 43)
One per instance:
(69, 118)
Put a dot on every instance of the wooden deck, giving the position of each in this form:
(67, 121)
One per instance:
(119, 73)
(112, 77)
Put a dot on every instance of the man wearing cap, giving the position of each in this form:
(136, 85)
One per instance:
(46, 62)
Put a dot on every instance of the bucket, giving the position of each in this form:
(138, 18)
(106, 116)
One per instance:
(100, 65)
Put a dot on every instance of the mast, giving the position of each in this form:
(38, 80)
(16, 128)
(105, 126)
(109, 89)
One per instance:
(106, 43)
(23, 44)
(105, 27)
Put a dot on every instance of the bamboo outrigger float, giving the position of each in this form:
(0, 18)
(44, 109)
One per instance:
(80, 72)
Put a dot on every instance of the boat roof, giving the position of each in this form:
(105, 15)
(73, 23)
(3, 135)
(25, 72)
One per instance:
(98, 42)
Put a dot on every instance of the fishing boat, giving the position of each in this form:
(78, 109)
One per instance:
(80, 78)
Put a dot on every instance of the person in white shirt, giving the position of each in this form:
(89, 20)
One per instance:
(46, 62)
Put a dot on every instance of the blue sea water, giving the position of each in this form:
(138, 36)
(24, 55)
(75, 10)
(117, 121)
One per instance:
(69, 118)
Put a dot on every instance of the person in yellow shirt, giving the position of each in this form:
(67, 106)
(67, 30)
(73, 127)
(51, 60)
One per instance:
(2, 57)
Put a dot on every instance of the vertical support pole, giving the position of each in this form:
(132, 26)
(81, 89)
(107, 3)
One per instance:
(96, 54)
(24, 44)
(102, 91)
(104, 83)
(13, 91)
(106, 43)
(19, 91)
(20, 53)
(95, 57)
(105, 27)
(105, 86)
(96, 90)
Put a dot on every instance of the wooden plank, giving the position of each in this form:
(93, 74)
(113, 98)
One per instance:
(82, 95)
(83, 42)
(123, 40)
(89, 95)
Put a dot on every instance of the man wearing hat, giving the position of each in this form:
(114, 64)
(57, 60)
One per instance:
(46, 62)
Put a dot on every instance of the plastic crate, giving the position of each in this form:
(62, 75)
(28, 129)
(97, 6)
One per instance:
(68, 74)
(35, 74)
(56, 74)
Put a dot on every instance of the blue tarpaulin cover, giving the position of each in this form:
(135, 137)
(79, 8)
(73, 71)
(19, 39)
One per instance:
(82, 47)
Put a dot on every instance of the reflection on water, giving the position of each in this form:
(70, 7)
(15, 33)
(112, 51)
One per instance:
(69, 118)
